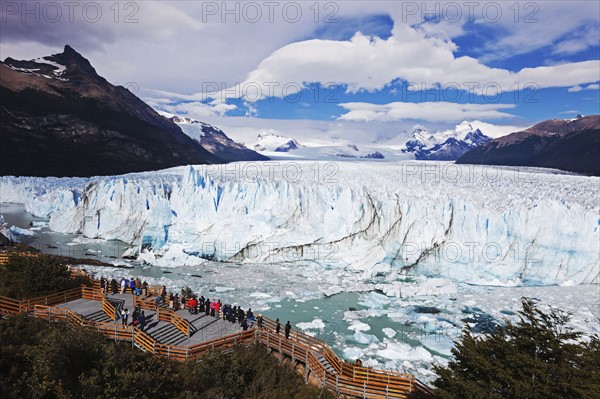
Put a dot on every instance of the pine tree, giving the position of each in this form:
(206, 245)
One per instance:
(539, 356)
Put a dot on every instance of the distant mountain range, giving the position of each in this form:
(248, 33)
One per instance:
(570, 145)
(216, 141)
(60, 118)
(419, 144)
(272, 142)
(448, 145)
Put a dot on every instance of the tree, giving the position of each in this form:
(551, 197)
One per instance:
(539, 356)
(30, 276)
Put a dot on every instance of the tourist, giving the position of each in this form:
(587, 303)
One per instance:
(145, 288)
(113, 286)
(141, 321)
(132, 285)
(176, 301)
(250, 317)
(218, 308)
(123, 285)
(171, 301)
(163, 293)
(259, 321)
(201, 304)
(358, 363)
(277, 326)
(244, 325)
(192, 304)
(288, 328)
(136, 313)
(207, 306)
(213, 306)
(124, 316)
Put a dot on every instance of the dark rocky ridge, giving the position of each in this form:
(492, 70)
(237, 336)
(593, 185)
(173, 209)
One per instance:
(570, 145)
(75, 123)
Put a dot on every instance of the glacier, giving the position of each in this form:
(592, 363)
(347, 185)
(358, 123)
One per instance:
(475, 224)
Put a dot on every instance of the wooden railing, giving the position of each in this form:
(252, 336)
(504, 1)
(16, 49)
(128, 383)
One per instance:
(143, 340)
(109, 309)
(172, 317)
(346, 378)
(146, 303)
(92, 293)
(9, 306)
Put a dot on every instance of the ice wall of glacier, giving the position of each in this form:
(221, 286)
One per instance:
(483, 225)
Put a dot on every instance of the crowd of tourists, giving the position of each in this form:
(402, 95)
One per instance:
(194, 304)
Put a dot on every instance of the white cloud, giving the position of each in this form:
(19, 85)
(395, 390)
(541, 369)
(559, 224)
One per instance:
(575, 89)
(367, 63)
(565, 27)
(430, 111)
(195, 110)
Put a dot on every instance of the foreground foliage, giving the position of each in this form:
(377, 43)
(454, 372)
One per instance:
(539, 356)
(40, 359)
(26, 277)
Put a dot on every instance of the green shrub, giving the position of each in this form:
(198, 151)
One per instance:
(539, 356)
(28, 277)
(40, 359)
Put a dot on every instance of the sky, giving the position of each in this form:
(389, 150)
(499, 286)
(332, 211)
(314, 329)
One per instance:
(375, 67)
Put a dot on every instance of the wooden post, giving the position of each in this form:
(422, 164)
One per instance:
(132, 337)
(337, 388)
(306, 367)
(293, 358)
(364, 389)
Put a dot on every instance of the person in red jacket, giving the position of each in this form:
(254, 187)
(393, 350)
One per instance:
(193, 305)
(218, 308)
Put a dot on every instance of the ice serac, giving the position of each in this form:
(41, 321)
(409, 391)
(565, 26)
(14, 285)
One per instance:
(500, 226)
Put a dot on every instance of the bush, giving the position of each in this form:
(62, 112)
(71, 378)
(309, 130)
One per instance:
(537, 357)
(26, 277)
(40, 359)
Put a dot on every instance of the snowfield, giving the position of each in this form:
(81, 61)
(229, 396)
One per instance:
(474, 224)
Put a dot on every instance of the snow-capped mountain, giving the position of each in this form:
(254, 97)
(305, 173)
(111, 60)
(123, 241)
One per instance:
(447, 145)
(214, 140)
(270, 141)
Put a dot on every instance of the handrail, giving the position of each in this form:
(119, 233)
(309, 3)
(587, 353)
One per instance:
(144, 340)
(12, 306)
(180, 323)
(109, 309)
(92, 293)
(168, 315)
(146, 303)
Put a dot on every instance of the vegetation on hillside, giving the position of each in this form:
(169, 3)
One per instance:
(539, 356)
(41, 359)
(26, 277)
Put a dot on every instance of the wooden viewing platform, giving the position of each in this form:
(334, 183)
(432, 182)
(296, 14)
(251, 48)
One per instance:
(182, 336)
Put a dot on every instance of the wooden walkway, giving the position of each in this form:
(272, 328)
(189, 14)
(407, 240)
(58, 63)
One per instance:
(182, 336)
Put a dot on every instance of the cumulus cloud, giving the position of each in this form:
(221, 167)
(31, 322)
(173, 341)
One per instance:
(432, 111)
(370, 63)
(575, 89)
